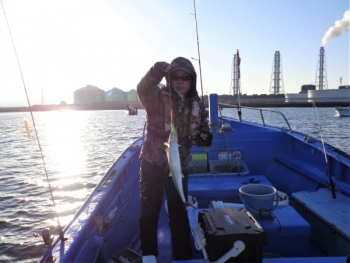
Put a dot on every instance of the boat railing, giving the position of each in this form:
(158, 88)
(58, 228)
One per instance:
(261, 111)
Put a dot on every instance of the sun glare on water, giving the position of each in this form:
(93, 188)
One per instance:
(62, 136)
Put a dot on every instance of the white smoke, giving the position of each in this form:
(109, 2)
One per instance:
(339, 28)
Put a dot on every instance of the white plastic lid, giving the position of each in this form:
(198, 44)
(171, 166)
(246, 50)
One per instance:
(149, 259)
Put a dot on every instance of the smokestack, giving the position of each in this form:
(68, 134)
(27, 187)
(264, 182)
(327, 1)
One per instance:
(321, 72)
(339, 28)
(276, 83)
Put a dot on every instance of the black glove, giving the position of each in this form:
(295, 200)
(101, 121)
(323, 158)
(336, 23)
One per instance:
(158, 69)
(200, 141)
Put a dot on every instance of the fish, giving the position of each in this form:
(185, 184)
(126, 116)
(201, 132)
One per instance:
(172, 152)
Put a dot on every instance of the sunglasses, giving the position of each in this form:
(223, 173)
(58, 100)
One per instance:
(183, 78)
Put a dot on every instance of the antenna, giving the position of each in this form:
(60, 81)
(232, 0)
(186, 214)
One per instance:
(276, 84)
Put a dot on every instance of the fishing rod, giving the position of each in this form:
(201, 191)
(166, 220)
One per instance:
(331, 183)
(200, 76)
(60, 232)
(238, 61)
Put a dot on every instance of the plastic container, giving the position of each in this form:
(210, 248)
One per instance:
(222, 227)
(191, 200)
(233, 166)
(220, 204)
(258, 198)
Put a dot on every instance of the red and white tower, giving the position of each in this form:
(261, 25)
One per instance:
(236, 75)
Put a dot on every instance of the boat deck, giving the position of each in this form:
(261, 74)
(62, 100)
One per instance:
(288, 234)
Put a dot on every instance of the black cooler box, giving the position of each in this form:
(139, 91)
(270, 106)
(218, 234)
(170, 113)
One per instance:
(222, 227)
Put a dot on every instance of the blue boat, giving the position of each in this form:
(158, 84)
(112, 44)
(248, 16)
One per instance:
(309, 220)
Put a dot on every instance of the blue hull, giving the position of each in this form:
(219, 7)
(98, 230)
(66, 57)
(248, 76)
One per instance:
(312, 227)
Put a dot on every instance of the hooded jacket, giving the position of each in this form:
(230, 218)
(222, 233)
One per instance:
(188, 115)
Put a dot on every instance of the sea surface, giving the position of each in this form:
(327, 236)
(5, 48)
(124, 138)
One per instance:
(78, 147)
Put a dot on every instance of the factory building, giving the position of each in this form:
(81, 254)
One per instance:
(332, 95)
(92, 94)
(88, 95)
(132, 96)
(326, 95)
(115, 94)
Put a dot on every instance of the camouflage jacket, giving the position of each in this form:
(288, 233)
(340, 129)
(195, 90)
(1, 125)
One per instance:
(157, 104)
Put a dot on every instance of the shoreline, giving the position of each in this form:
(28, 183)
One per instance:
(122, 106)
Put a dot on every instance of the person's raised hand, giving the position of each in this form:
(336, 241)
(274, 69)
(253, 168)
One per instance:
(160, 69)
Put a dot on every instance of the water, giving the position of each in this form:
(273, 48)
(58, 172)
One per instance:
(78, 148)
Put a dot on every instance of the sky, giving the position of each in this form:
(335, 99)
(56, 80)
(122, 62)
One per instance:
(64, 45)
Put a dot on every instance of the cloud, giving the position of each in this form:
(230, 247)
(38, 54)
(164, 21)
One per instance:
(339, 28)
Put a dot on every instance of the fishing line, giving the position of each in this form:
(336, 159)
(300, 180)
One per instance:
(62, 238)
(331, 184)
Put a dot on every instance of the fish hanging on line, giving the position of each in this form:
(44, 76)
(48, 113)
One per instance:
(172, 152)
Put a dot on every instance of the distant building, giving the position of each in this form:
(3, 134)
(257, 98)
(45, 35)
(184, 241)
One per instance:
(88, 95)
(255, 98)
(296, 97)
(305, 88)
(329, 95)
(310, 94)
(115, 95)
(132, 96)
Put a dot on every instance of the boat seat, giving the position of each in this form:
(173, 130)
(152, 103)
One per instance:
(328, 217)
(311, 171)
(220, 187)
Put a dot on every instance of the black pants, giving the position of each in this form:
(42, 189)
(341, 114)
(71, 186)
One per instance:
(153, 181)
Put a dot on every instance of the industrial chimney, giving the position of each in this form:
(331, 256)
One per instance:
(321, 73)
(276, 84)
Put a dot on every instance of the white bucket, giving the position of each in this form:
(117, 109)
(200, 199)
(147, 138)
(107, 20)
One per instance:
(191, 200)
(258, 198)
(220, 204)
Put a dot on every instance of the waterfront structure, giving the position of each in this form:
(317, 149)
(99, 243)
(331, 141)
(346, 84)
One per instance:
(132, 95)
(302, 96)
(253, 99)
(88, 95)
(115, 95)
(330, 95)
(276, 84)
(321, 72)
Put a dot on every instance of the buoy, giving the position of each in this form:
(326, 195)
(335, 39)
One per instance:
(27, 128)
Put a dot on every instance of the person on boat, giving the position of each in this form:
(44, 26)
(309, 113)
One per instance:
(189, 116)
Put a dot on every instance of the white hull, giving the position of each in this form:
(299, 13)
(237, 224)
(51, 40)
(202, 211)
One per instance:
(342, 111)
